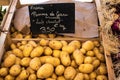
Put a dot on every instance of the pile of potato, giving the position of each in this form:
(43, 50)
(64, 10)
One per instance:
(54, 60)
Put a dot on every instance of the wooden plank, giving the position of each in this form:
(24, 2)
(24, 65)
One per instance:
(4, 2)
(99, 11)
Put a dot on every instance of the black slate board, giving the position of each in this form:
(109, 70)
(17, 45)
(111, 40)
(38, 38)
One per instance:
(52, 18)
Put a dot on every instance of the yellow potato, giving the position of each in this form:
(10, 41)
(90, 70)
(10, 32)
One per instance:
(64, 43)
(93, 75)
(33, 43)
(19, 36)
(48, 51)
(82, 50)
(86, 77)
(15, 70)
(3, 71)
(23, 75)
(96, 43)
(102, 70)
(78, 56)
(79, 76)
(45, 71)
(53, 60)
(18, 60)
(21, 47)
(69, 73)
(18, 52)
(43, 42)
(73, 64)
(61, 78)
(88, 45)
(101, 77)
(35, 63)
(56, 53)
(90, 53)
(23, 42)
(59, 70)
(27, 37)
(10, 60)
(50, 79)
(13, 46)
(96, 63)
(32, 77)
(27, 50)
(75, 43)
(70, 49)
(88, 60)
(37, 52)
(18, 44)
(86, 68)
(65, 58)
(9, 77)
(54, 44)
(7, 54)
(43, 59)
(30, 70)
(43, 35)
(25, 61)
(51, 35)
(54, 76)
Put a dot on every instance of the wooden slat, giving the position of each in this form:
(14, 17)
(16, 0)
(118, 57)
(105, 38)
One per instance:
(4, 2)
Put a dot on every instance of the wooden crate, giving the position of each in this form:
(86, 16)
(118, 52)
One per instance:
(5, 39)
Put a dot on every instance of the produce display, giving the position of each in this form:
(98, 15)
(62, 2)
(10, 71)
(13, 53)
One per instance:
(54, 60)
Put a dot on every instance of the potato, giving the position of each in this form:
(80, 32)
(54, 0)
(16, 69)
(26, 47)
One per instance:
(82, 50)
(65, 58)
(54, 76)
(69, 49)
(59, 70)
(102, 70)
(88, 60)
(86, 77)
(27, 37)
(10, 60)
(96, 63)
(53, 60)
(69, 73)
(61, 78)
(19, 36)
(43, 59)
(17, 52)
(51, 35)
(90, 53)
(33, 43)
(23, 75)
(23, 42)
(15, 70)
(32, 77)
(37, 52)
(3, 71)
(25, 61)
(9, 77)
(45, 71)
(43, 42)
(88, 45)
(92, 75)
(30, 70)
(96, 43)
(35, 63)
(27, 50)
(79, 76)
(50, 79)
(18, 44)
(75, 43)
(43, 35)
(78, 56)
(48, 51)
(54, 44)
(56, 53)
(18, 60)
(101, 77)
(64, 43)
(73, 64)
(13, 46)
(86, 68)
(7, 54)
(21, 47)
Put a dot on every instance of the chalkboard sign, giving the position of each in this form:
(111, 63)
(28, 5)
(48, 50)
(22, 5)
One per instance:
(52, 18)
